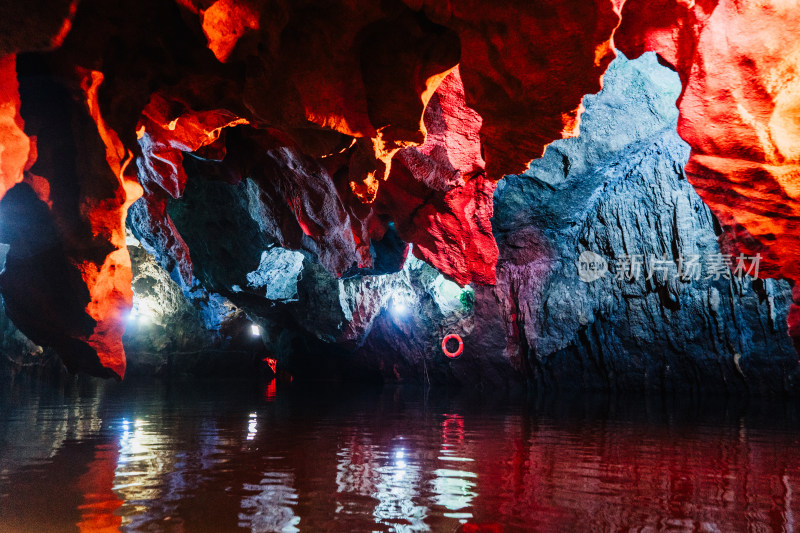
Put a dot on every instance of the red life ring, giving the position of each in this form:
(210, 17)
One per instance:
(448, 353)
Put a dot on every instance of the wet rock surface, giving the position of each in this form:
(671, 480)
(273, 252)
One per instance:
(353, 121)
(618, 191)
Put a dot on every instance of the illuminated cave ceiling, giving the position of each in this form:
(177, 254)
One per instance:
(349, 116)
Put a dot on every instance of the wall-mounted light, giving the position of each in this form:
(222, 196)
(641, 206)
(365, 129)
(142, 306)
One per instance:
(399, 307)
(255, 330)
(139, 317)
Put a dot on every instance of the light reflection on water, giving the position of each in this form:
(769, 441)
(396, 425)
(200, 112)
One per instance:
(83, 456)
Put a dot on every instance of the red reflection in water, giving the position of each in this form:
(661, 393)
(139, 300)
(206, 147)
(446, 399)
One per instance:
(621, 477)
(271, 391)
(452, 430)
(381, 461)
(100, 501)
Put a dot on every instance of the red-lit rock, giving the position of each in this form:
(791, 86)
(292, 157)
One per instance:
(80, 233)
(107, 278)
(15, 145)
(303, 197)
(38, 25)
(163, 234)
(166, 130)
(226, 21)
(331, 101)
(437, 193)
(526, 67)
(362, 69)
(738, 62)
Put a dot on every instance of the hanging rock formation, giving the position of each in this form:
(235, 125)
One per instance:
(738, 62)
(620, 191)
(346, 128)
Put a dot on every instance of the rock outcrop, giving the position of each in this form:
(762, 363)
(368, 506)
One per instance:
(663, 316)
(342, 132)
(619, 191)
(738, 62)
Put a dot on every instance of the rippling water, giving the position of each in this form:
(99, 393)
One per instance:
(200, 456)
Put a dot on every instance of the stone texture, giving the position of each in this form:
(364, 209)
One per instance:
(626, 174)
(618, 190)
(738, 63)
(158, 78)
(166, 334)
(277, 274)
(298, 114)
(648, 334)
(438, 195)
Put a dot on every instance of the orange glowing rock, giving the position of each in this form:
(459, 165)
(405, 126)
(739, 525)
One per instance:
(164, 134)
(359, 113)
(225, 22)
(109, 283)
(86, 237)
(15, 147)
(740, 112)
(526, 67)
(438, 195)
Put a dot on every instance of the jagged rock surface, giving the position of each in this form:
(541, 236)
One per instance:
(316, 107)
(620, 191)
(617, 190)
(738, 63)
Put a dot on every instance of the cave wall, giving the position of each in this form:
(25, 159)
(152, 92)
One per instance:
(352, 128)
(620, 189)
(737, 62)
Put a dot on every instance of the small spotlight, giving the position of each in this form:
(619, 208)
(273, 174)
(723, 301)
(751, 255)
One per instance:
(399, 308)
(255, 330)
(137, 317)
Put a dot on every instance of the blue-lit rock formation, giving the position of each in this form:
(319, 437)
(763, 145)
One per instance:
(617, 191)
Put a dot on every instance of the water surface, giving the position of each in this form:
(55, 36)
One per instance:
(215, 457)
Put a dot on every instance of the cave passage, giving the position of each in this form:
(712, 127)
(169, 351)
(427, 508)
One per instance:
(408, 265)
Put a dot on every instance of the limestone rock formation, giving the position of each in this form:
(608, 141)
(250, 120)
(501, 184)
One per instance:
(653, 321)
(344, 130)
(738, 112)
(619, 190)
